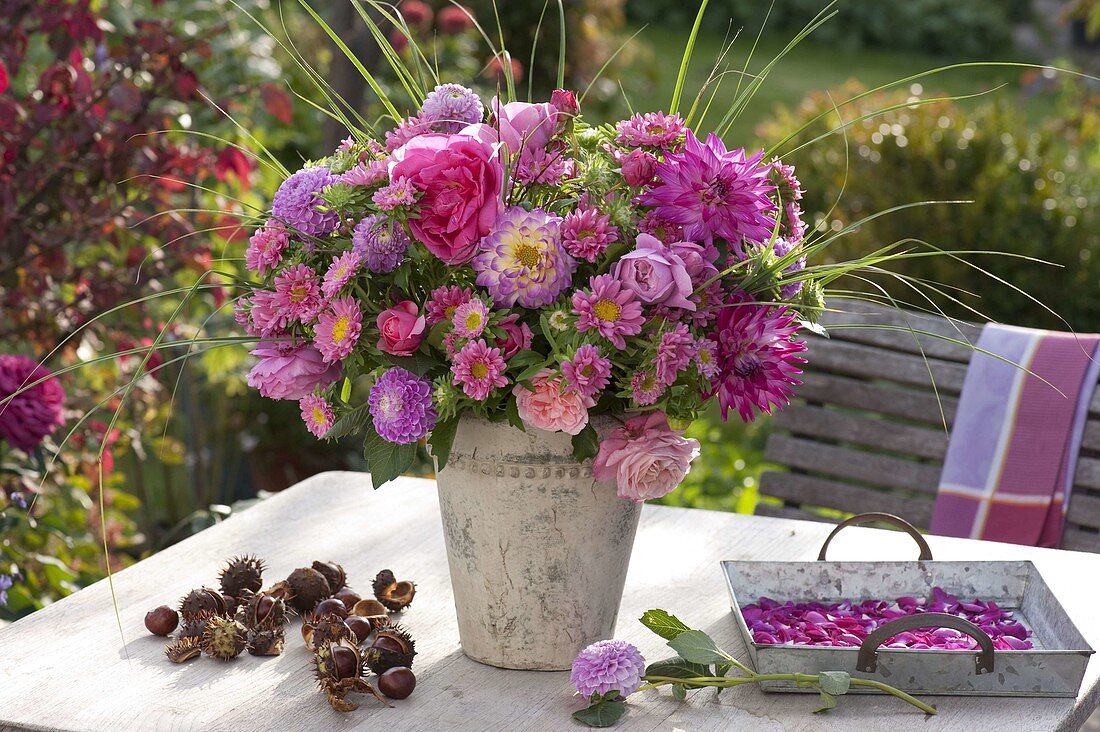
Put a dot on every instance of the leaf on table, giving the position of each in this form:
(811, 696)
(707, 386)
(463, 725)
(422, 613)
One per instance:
(677, 668)
(679, 692)
(602, 712)
(828, 701)
(385, 460)
(697, 647)
(834, 682)
(663, 623)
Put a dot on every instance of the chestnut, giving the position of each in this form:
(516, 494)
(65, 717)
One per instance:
(397, 682)
(361, 627)
(348, 596)
(162, 620)
(330, 606)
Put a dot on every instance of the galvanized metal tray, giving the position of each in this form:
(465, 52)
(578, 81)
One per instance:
(1053, 668)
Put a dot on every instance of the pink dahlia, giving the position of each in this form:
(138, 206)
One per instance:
(317, 414)
(478, 369)
(338, 329)
(408, 129)
(586, 233)
(547, 406)
(606, 666)
(653, 129)
(757, 357)
(398, 193)
(289, 370)
(674, 352)
(646, 388)
(401, 406)
(713, 192)
(339, 273)
(443, 302)
(610, 309)
(645, 457)
(265, 248)
(298, 206)
(522, 260)
(587, 373)
(297, 293)
(470, 319)
(26, 419)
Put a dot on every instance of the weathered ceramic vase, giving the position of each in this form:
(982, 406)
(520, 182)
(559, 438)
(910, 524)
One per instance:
(538, 549)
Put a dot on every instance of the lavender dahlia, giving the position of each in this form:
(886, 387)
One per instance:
(401, 406)
(27, 419)
(297, 204)
(381, 242)
(609, 665)
(522, 260)
(451, 107)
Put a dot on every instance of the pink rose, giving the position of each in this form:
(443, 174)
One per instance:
(460, 181)
(517, 336)
(565, 102)
(639, 167)
(550, 408)
(402, 328)
(287, 371)
(698, 266)
(518, 125)
(645, 457)
(656, 274)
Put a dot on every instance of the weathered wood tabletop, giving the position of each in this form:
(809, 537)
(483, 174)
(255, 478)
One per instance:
(65, 667)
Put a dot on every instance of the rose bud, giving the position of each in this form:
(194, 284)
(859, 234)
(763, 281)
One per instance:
(517, 336)
(639, 167)
(402, 329)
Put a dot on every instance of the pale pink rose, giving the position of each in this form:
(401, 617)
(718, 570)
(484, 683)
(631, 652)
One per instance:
(461, 182)
(402, 329)
(518, 125)
(517, 336)
(645, 457)
(549, 408)
(289, 371)
(655, 273)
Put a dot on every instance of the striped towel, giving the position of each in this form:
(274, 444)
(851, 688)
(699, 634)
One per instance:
(1014, 444)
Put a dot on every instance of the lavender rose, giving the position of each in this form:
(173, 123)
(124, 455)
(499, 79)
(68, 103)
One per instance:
(646, 458)
(288, 371)
(656, 274)
(518, 125)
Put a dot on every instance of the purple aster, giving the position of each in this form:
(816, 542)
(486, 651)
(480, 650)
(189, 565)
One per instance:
(338, 329)
(674, 352)
(317, 414)
(522, 260)
(398, 193)
(470, 318)
(381, 242)
(297, 294)
(265, 248)
(587, 373)
(451, 107)
(610, 309)
(297, 202)
(478, 369)
(713, 192)
(339, 273)
(653, 129)
(5, 585)
(646, 388)
(366, 174)
(586, 233)
(758, 360)
(782, 248)
(610, 665)
(443, 302)
(401, 406)
(26, 419)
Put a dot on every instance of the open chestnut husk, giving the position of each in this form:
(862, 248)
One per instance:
(328, 629)
(224, 638)
(392, 646)
(263, 612)
(339, 669)
(391, 593)
(183, 649)
(373, 611)
(333, 573)
(267, 642)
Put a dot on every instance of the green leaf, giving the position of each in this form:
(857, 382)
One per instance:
(828, 701)
(677, 668)
(530, 371)
(350, 423)
(418, 363)
(721, 669)
(585, 443)
(511, 409)
(385, 460)
(602, 712)
(679, 692)
(441, 439)
(523, 359)
(345, 390)
(697, 647)
(834, 682)
(663, 623)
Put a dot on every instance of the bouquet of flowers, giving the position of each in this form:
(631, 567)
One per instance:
(510, 261)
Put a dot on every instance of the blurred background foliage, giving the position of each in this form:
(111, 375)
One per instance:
(120, 124)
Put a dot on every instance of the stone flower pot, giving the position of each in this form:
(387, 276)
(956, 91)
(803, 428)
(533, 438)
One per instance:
(538, 549)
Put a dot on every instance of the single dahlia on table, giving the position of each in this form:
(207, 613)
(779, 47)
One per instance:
(401, 406)
(605, 666)
(35, 413)
(298, 206)
(522, 261)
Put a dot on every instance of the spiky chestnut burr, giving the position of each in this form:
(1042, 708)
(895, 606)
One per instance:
(263, 612)
(240, 574)
(339, 670)
(194, 627)
(224, 638)
(307, 588)
(267, 643)
(328, 629)
(392, 646)
(334, 574)
(183, 649)
(200, 601)
(391, 593)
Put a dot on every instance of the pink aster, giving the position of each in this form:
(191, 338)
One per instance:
(470, 319)
(714, 193)
(339, 273)
(478, 369)
(407, 129)
(610, 309)
(317, 414)
(653, 129)
(297, 293)
(674, 352)
(366, 174)
(758, 360)
(646, 388)
(444, 300)
(398, 193)
(542, 167)
(338, 329)
(706, 358)
(265, 248)
(586, 233)
(267, 316)
(587, 373)
(664, 229)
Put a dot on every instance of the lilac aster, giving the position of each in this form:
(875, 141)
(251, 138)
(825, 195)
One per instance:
(265, 248)
(339, 273)
(297, 294)
(338, 329)
(758, 361)
(522, 260)
(398, 193)
(297, 202)
(470, 319)
(451, 107)
(26, 419)
(586, 233)
(605, 666)
(443, 302)
(653, 129)
(5, 585)
(539, 166)
(646, 388)
(317, 414)
(478, 369)
(587, 373)
(401, 406)
(380, 242)
(609, 308)
(674, 352)
(366, 174)
(782, 248)
(706, 358)
(713, 192)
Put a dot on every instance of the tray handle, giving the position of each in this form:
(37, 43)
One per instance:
(867, 661)
(886, 518)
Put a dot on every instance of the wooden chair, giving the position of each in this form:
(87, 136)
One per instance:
(866, 432)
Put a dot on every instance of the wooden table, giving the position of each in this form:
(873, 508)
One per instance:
(65, 667)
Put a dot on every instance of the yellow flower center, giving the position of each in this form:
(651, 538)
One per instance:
(655, 129)
(318, 416)
(473, 321)
(340, 329)
(607, 310)
(298, 293)
(527, 255)
(449, 311)
(479, 370)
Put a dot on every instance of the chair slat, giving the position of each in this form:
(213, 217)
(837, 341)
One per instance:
(832, 425)
(1090, 440)
(1088, 473)
(790, 512)
(809, 490)
(1084, 510)
(1080, 541)
(906, 403)
(853, 359)
(840, 462)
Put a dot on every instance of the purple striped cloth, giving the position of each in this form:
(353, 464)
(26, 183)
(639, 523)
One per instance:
(1010, 462)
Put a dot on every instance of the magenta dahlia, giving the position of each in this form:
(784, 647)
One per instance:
(298, 206)
(26, 419)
